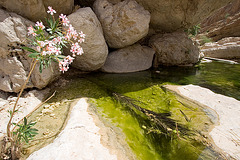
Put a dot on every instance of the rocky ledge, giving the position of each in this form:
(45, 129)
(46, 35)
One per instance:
(227, 48)
(226, 132)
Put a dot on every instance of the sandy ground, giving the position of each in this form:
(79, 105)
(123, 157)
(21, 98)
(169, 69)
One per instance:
(226, 134)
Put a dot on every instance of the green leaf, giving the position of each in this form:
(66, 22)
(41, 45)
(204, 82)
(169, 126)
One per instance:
(29, 49)
(33, 55)
(25, 121)
(60, 57)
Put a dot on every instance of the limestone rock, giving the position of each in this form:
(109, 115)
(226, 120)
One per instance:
(130, 59)
(36, 9)
(80, 139)
(226, 48)
(26, 105)
(171, 15)
(95, 48)
(123, 23)
(14, 62)
(224, 134)
(223, 23)
(174, 49)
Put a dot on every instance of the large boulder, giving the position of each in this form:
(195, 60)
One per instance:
(37, 9)
(95, 48)
(171, 15)
(14, 62)
(130, 59)
(173, 49)
(226, 48)
(123, 23)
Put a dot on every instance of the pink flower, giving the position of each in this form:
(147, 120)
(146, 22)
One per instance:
(74, 47)
(65, 20)
(40, 25)
(80, 51)
(38, 48)
(31, 31)
(57, 51)
(41, 43)
(82, 35)
(57, 40)
(81, 40)
(50, 10)
(69, 59)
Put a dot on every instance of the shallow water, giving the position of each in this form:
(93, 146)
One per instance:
(115, 95)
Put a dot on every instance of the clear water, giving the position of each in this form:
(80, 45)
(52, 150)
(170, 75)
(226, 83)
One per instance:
(145, 90)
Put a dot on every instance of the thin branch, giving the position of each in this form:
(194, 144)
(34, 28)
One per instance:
(15, 105)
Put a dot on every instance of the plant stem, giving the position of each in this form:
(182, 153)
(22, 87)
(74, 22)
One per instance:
(19, 95)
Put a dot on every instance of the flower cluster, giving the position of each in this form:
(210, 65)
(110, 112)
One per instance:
(51, 45)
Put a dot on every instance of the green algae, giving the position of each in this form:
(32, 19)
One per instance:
(146, 89)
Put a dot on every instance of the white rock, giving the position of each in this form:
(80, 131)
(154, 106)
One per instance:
(95, 48)
(80, 139)
(226, 134)
(14, 63)
(129, 59)
(123, 23)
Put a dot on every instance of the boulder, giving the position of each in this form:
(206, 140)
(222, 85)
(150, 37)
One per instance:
(14, 62)
(130, 59)
(226, 48)
(173, 49)
(123, 23)
(95, 48)
(37, 9)
(171, 15)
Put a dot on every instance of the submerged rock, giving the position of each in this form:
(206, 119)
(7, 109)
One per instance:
(14, 62)
(123, 23)
(174, 49)
(94, 48)
(130, 59)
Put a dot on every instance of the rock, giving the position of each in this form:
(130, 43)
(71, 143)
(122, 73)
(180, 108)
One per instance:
(25, 106)
(14, 62)
(223, 23)
(169, 16)
(95, 48)
(174, 49)
(80, 139)
(226, 48)
(130, 59)
(225, 133)
(35, 10)
(123, 23)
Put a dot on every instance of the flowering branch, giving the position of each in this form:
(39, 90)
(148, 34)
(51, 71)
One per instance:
(48, 43)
